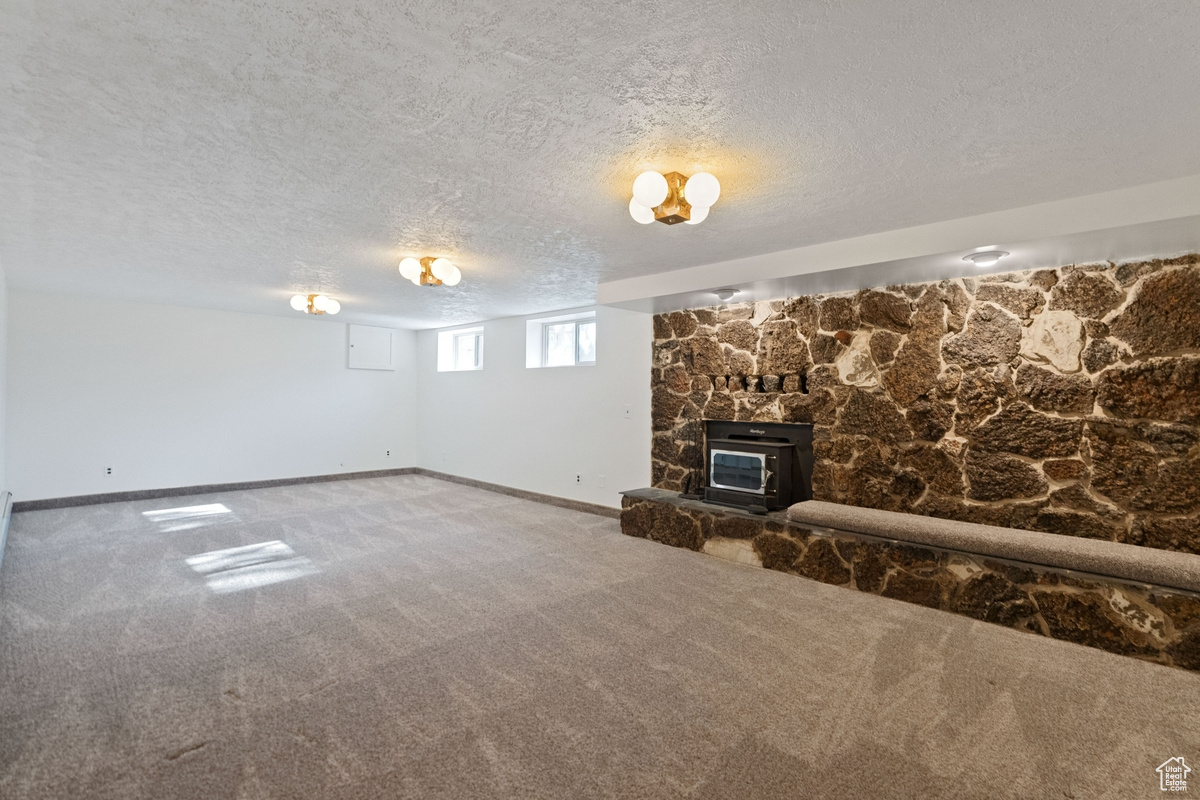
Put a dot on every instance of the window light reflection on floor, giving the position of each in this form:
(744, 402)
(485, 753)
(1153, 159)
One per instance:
(186, 518)
(238, 568)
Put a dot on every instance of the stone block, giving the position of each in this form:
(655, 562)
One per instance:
(822, 563)
(873, 414)
(992, 336)
(1165, 389)
(1054, 337)
(930, 419)
(826, 349)
(1098, 354)
(1051, 391)
(683, 323)
(855, 366)
(1086, 618)
(1044, 279)
(780, 348)
(883, 346)
(777, 552)
(1022, 302)
(839, 314)
(1086, 294)
(1164, 315)
(884, 310)
(917, 589)
(740, 334)
(1064, 469)
(996, 476)
(1019, 429)
(805, 312)
(662, 327)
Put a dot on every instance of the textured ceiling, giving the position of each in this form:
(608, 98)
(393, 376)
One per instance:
(226, 154)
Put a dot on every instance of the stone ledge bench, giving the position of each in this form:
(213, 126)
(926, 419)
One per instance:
(1134, 601)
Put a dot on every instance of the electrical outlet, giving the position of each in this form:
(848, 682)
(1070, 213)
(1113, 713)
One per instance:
(578, 479)
(628, 412)
(387, 453)
(108, 470)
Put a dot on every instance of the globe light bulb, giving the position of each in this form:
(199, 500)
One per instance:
(320, 302)
(410, 268)
(332, 307)
(702, 189)
(650, 189)
(441, 269)
(453, 278)
(299, 302)
(699, 214)
(639, 212)
(416, 279)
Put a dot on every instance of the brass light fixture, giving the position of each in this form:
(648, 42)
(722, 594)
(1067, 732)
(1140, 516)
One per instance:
(430, 271)
(673, 198)
(315, 304)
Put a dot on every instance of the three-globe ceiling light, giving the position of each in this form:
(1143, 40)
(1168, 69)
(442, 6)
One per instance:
(315, 304)
(430, 271)
(673, 197)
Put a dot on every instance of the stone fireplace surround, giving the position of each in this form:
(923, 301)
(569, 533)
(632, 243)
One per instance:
(1061, 400)
(1065, 401)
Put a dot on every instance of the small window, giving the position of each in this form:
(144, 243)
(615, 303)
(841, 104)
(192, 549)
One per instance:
(467, 350)
(460, 350)
(567, 341)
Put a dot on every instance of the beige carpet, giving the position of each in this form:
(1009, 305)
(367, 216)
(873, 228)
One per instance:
(408, 637)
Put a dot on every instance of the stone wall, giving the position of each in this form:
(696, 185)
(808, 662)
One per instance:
(1063, 400)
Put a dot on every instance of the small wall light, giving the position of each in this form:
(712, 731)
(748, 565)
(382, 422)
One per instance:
(673, 197)
(725, 295)
(315, 304)
(987, 258)
(430, 271)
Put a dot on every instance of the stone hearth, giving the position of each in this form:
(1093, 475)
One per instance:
(1139, 620)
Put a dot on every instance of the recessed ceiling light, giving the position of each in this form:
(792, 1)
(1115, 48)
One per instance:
(987, 258)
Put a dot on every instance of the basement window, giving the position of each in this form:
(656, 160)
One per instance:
(460, 350)
(566, 341)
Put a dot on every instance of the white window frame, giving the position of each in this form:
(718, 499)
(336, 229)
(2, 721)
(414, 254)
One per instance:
(537, 339)
(448, 349)
(546, 342)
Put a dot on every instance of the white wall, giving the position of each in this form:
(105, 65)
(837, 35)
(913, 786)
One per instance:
(536, 429)
(170, 396)
(4, 487)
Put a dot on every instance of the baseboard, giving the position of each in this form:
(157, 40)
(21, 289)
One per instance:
(209, 488)
(212, 488)
(7, 518)
(536, 497)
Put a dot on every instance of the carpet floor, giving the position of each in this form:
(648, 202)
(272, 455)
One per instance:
(409, 637)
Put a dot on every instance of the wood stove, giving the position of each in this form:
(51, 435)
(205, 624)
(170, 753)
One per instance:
(760, 466)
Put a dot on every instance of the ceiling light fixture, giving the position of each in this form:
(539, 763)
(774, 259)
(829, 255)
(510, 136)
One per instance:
(430, 271)
(987, 258)
(725, 295)
(673, 197)
(315, 304)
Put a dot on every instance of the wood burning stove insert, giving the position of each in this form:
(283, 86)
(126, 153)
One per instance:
(760, 466)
